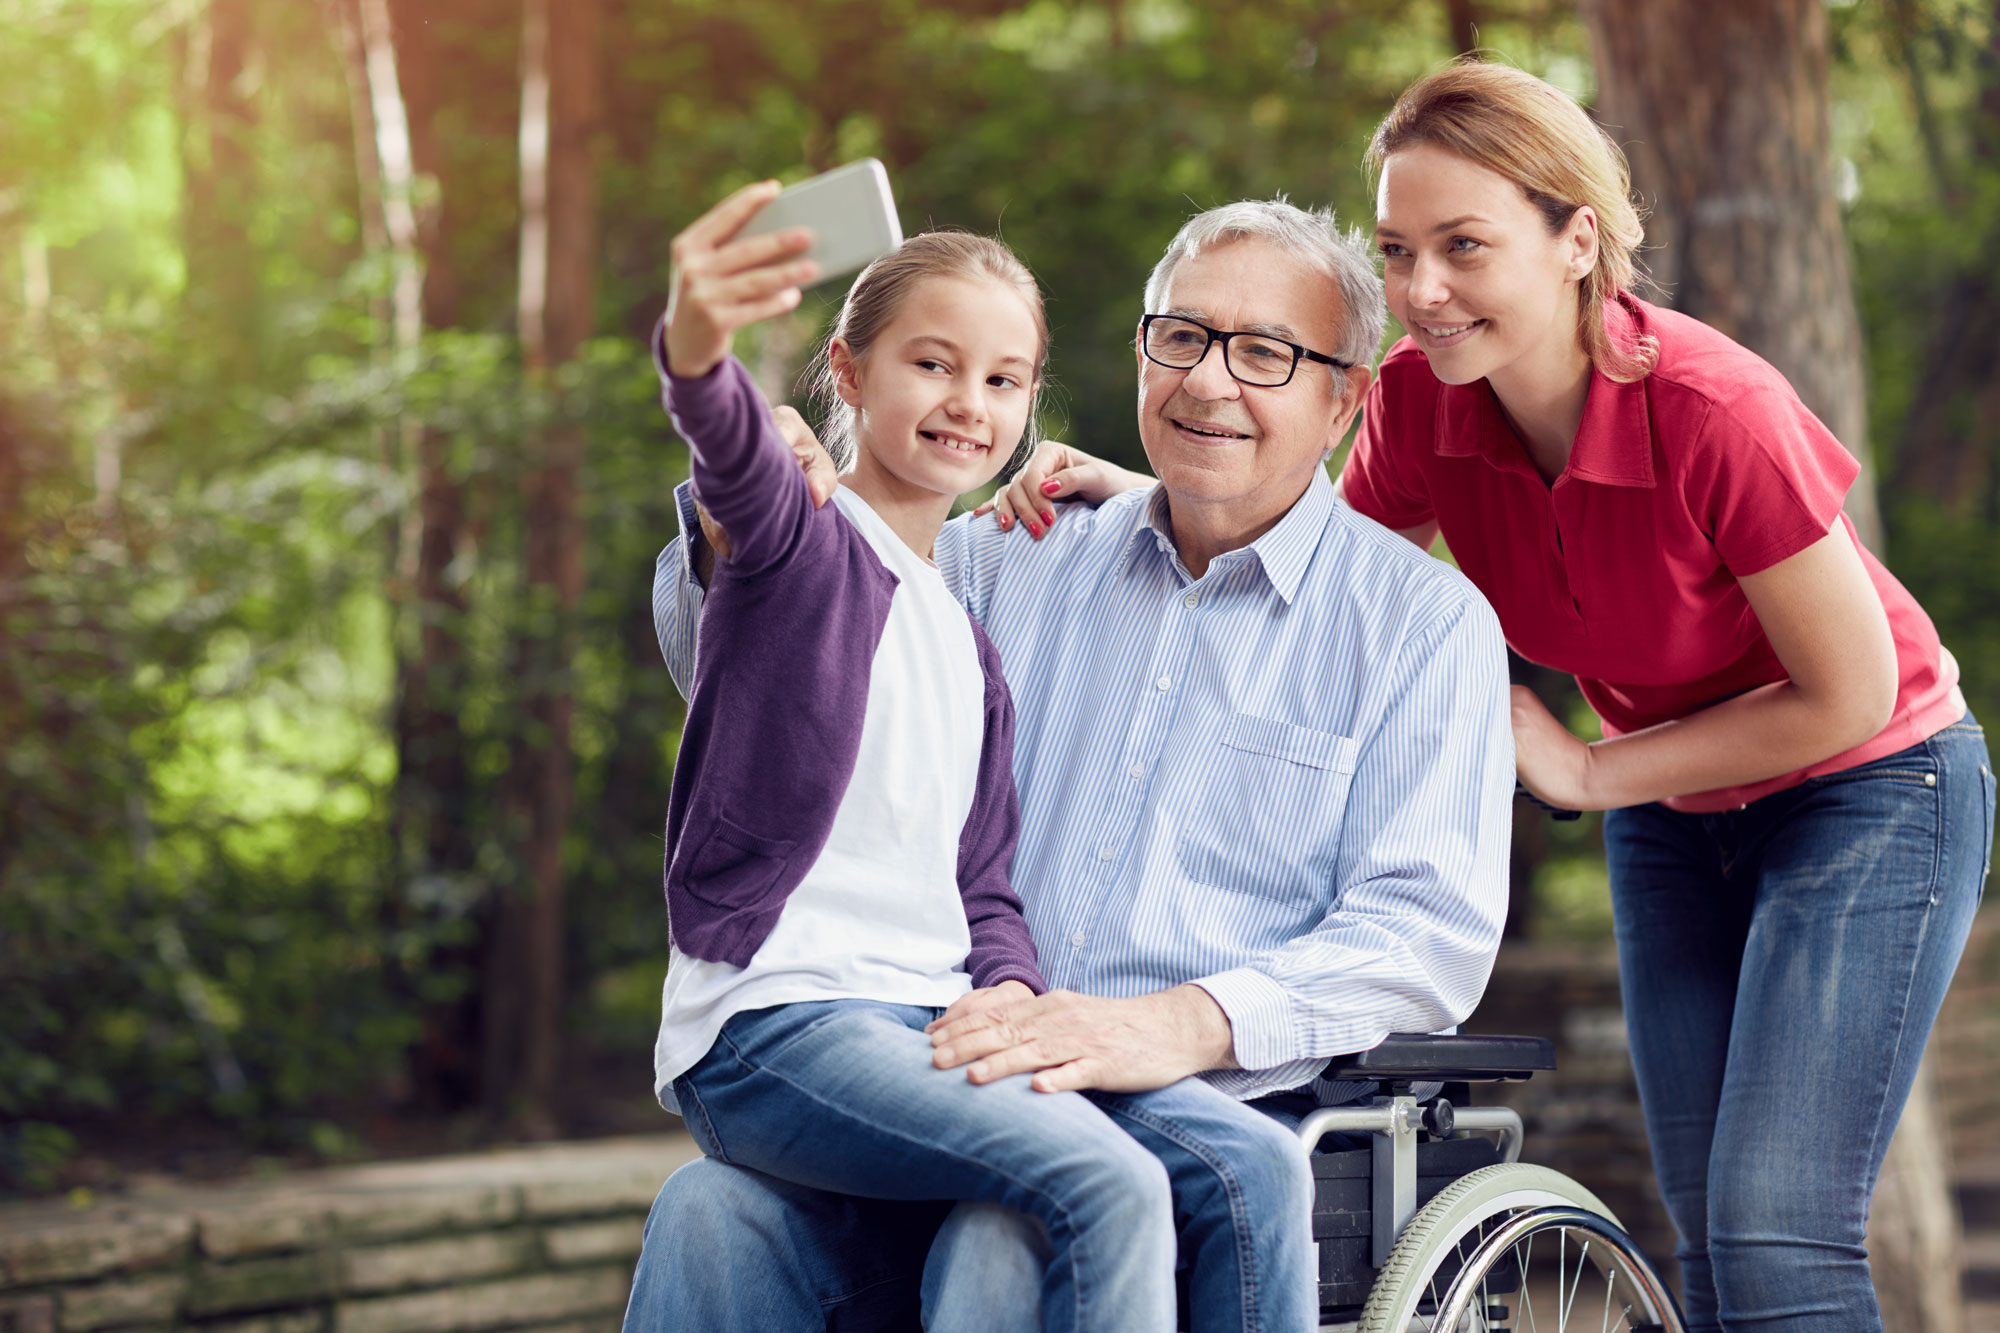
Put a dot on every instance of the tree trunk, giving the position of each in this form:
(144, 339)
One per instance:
(1463, 20)
(432, 780)
(1948, 452)
(393, 101)
(1724, 111)
(558, 253)
(220, 179)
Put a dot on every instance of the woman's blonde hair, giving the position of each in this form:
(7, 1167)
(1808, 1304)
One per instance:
(876, 296)
(1535, 135)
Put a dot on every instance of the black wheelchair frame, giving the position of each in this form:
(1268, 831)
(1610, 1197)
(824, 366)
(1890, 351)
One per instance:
(1430, 1229)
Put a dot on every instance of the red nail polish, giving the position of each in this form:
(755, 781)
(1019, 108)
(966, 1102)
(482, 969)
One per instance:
(1034, 530)
(1051, 487)
(1048, 516)
(1004, 520)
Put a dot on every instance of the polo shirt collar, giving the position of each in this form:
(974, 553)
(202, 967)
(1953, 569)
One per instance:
(1614, 441)
(1282, 554)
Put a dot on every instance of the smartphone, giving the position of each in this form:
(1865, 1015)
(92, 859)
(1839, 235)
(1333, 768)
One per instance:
(851, 213)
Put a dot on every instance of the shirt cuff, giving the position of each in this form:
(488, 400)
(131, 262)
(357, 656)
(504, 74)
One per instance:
(1259, 1014)
(692, 539)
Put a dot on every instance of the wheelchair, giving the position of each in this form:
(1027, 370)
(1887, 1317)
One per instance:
(1435, 1229)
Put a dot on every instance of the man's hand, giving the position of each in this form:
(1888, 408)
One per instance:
(979, 1001)
(820, 481)
(821, 476)
(1084, 1041)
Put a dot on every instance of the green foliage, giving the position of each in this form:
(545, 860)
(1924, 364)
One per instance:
(210, 902)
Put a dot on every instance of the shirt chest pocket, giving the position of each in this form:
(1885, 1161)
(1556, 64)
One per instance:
(1269, 812)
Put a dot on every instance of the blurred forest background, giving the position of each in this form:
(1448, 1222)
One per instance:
(334, 741)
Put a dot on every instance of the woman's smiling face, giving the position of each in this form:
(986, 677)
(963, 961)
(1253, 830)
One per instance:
(1471, 269)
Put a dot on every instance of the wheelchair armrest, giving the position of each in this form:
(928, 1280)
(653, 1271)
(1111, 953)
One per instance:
(1458, 1058)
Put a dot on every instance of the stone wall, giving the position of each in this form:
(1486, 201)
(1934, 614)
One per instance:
(536, 1239)
(542, 1240)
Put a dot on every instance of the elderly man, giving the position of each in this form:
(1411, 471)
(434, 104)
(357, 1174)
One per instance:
(1264, 761)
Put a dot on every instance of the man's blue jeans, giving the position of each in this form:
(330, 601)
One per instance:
(841, 1095)
(1781, 966)
(733, 1249)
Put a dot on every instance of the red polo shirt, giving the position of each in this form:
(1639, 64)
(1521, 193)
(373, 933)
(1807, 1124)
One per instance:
(1624, 572)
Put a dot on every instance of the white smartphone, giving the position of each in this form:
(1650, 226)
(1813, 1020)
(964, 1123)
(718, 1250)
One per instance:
(851, 213)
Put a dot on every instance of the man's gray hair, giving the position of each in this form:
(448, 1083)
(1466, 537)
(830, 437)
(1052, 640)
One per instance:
(1309, 234)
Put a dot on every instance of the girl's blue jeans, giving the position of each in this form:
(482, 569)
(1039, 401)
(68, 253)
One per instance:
(1782, 964)
(824, 1126)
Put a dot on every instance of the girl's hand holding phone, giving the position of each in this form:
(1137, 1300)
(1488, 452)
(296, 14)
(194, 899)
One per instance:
(721, 283)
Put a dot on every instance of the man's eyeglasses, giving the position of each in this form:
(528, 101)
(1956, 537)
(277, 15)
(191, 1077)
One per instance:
(1253, 358)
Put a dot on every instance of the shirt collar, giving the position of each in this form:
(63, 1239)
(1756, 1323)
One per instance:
(1614, 441)
(1282, 553)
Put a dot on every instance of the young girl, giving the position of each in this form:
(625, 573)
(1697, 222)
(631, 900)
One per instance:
(843, 810)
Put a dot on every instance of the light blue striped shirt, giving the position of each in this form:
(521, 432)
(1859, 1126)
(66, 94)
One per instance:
(1288, 781)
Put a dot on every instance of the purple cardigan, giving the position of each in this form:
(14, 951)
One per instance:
(788, 636)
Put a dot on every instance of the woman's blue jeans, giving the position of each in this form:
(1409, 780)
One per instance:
(841, 1095)
(1782, 964)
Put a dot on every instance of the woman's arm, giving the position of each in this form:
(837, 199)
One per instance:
(1826, 624)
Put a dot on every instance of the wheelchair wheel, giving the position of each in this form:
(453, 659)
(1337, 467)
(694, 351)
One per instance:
(1517, 1247)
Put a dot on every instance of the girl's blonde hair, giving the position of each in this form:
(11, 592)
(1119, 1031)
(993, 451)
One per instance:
(876, 296)
(1535, 135)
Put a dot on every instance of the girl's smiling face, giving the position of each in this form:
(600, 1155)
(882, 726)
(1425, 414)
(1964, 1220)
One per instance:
(945, 391)
(1472, 270)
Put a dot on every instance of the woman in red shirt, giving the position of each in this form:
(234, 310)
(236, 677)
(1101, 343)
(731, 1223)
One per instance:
(1800, 806)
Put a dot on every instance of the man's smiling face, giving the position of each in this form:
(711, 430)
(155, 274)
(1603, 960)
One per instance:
(1233, 457)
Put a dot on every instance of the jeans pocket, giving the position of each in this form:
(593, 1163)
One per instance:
(1987, 783)
(1916, 766)
(1273, 797)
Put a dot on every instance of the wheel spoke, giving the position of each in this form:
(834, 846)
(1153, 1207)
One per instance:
(1582, 1258)
(1527, 1297)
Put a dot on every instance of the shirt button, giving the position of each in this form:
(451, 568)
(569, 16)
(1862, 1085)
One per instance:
(1930, 779)
(1191, 600)
(1077, 939)
(1104, 853)
(1165, 682)
(1137, 770)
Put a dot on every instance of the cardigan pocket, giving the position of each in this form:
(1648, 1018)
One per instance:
(735, 868)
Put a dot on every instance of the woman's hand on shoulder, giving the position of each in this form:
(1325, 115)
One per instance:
(723, 281)
(1057, 471)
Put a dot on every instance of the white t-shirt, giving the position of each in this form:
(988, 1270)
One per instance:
(878, 916)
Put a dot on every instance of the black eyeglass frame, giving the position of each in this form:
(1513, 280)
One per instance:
(1218, 336)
